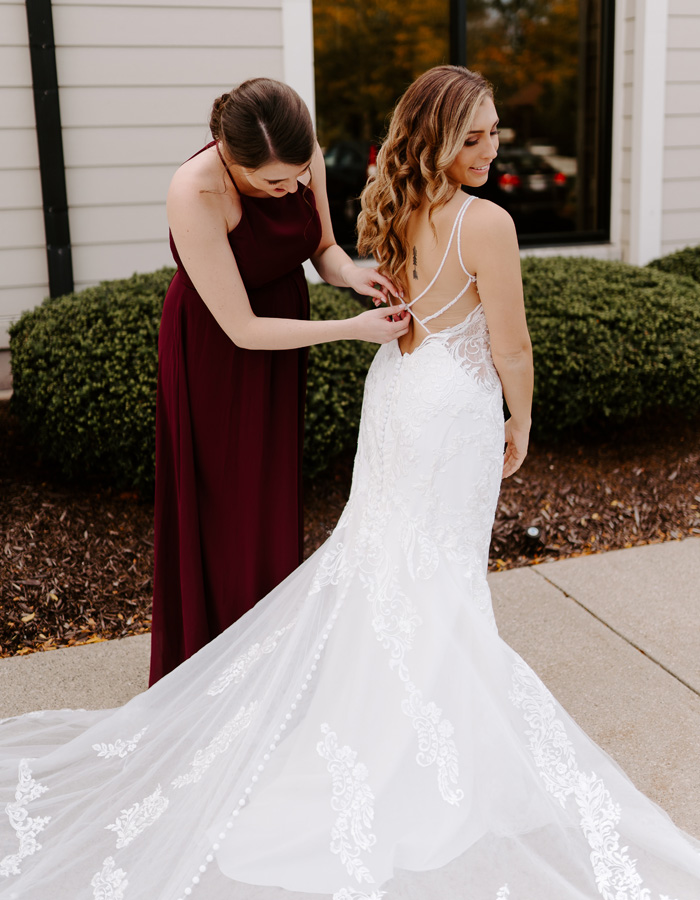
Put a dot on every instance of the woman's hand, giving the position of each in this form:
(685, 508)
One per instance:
(370, 283)
(516, 448)
(376, 326)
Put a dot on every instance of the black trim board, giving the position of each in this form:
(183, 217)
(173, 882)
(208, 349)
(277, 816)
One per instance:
(42, 49)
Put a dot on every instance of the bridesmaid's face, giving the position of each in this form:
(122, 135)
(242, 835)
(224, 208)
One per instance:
(276, 179)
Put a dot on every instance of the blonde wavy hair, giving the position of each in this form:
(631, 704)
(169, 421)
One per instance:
(428, 128)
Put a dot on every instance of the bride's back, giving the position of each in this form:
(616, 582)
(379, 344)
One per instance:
(442, 288)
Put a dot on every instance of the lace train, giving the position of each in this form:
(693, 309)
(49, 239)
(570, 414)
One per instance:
(363, 732)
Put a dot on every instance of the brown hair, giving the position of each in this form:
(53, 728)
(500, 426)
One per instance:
(263, 121)
(428, 129)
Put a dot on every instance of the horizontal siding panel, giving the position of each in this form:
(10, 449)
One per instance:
(132, 146)
(192, 4)
(627, 99)
(113, 66)
(13, 25)
(15, 301)
(682, 65)
(118, 224)
(680, 163)
(628, 43)
(682, 194)
(85, 107)
(22, 228)
(93, 264)
(627, 131)
(23, 268)
(18, 149)
(113, 186)
(673, 246)
(16, 107)
(683, 131)
(132, 26)
(681, 226)
(683, 32)
(15, 67)
(683, 99)
(628, 68)
(683, 8)
(626, 168)
(19, 189)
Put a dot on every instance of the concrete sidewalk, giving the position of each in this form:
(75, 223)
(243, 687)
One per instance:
(616, 638)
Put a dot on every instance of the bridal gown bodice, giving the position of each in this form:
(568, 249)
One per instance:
(363, 732)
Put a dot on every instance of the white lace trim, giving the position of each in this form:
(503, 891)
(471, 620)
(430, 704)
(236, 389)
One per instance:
(503, 893)
(25, 827)
(239, 668)
(351, 894)
(353, 800)
(138, 818)
(615, 872)
(219, 744)
(120, 747)
(110, 883)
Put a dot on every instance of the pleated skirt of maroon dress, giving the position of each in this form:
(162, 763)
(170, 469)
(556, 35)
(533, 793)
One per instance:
(229, 438)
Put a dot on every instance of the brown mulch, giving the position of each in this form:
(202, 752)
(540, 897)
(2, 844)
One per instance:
(76, 560)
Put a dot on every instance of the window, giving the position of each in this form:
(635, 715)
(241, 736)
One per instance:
(550, 63)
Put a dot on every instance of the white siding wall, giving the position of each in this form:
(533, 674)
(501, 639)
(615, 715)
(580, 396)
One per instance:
(24, 278)
(136, 82)
(681, 173)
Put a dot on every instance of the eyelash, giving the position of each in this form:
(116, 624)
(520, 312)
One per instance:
(273, 183)
(474, 143)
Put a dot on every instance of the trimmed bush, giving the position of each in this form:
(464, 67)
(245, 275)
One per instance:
(85, 370)
(683, 262)
(336, 383)
(611, 341)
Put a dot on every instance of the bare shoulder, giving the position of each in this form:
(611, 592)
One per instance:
(199, 187)
(487, 220)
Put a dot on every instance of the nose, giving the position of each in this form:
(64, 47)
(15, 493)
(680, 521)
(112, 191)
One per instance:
(292, 185)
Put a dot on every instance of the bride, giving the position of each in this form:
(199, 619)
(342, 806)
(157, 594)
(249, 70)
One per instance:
(363, 732)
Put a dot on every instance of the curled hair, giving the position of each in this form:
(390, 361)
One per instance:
(263, 121)
(428, 128)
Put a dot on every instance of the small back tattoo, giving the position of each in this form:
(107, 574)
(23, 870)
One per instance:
(415, 263)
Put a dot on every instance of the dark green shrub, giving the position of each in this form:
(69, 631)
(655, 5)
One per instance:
(85, 368)
(611, 341)
(336, 383)
(84, 376)
(683, 262)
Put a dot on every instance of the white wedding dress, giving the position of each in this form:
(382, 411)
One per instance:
(363, 732)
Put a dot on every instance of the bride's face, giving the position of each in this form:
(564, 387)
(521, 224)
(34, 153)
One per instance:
(471, 165)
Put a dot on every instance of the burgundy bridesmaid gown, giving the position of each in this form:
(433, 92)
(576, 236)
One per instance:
(229, 435)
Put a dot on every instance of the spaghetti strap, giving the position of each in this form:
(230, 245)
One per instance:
(471, 279)
(223, 163)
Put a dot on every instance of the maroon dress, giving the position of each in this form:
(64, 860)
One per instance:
(229, 434)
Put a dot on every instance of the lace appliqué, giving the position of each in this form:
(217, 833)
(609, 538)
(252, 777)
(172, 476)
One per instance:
(239, 668)
(435, 744)
(219, 744)
(353, 800)
(503, 893)
(615, 872)
(25, 827)
(119, 748)
(138, 817)
(350, 894)
(110, 883)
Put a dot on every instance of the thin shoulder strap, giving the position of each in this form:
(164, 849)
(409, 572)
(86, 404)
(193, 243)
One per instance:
(470, 278)
(223, 163)
(456, 224)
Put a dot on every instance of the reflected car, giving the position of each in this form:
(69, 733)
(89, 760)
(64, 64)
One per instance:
(529, 187)
(349, 164)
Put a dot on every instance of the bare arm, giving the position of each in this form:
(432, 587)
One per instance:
(330, 261)
(494, 245)
(199, 225)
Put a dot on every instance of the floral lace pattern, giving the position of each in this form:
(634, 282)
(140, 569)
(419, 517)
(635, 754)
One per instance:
(353, 800)
(120, 747)
(503, 893)
(239, 668)
(219, 744)
(615, 872)
(138, 818)
(25, 827)
(110, 883)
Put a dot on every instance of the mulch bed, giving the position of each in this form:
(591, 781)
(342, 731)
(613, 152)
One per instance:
(76, 560)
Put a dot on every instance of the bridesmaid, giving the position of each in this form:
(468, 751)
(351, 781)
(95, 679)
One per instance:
(244, 213)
